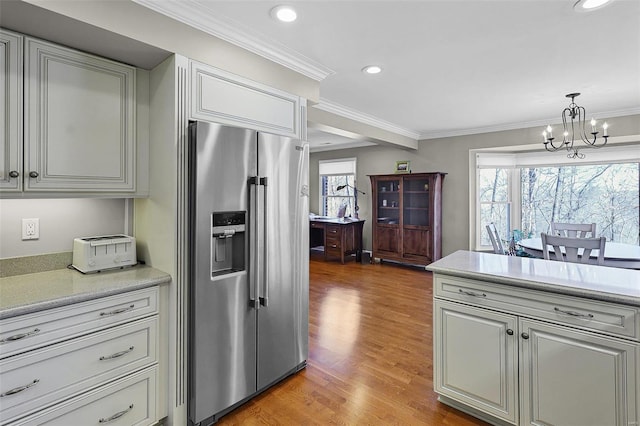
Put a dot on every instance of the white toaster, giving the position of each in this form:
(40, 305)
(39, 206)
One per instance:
(95, 254)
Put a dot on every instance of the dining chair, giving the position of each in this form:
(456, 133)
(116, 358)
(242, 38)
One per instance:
(572, 249)
(496, 242)
(576, 230)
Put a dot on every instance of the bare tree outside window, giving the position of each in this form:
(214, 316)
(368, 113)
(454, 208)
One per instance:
(495, 203)
(333, 199)
(606, 194)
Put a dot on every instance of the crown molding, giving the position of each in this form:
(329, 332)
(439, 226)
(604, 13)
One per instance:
(201, 16)
(516, 126)
(343, 111)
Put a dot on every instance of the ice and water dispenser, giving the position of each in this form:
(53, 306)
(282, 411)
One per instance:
(227, 242)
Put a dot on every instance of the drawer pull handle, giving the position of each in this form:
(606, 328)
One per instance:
(20, 389)
(116, 415)
(117, 354)
(525, 336)
(334, 246)
(509, 332)
(573, 313)
(471, 293)
(20, 336)
(117, 311)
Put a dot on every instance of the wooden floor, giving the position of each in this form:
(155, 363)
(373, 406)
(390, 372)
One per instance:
(370, 354)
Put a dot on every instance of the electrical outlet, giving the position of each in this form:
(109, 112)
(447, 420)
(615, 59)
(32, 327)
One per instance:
(30, 229)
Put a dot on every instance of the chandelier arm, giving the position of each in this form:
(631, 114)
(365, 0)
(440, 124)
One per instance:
(581, 122)
(567, 141)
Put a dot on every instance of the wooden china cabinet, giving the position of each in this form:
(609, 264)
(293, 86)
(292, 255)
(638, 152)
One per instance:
(407, 217)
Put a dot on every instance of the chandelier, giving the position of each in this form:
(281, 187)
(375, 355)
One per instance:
(574, 129)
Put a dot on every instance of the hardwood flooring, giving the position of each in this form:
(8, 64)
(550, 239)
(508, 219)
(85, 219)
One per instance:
(370, 354)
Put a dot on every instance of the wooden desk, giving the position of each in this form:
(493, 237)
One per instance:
(340, 237)
(617, 255)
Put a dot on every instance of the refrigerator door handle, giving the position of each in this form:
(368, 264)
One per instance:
(253, 183)
(264, 300)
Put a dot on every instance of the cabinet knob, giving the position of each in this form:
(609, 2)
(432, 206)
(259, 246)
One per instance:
(509, 332)
(525, 336)
(14, 174)
(33, 174)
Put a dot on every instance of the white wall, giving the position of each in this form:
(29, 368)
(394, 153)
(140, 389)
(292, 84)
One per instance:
(61, 220)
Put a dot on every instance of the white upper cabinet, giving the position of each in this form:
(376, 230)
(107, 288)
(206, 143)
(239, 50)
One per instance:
(11, 110)
(80, 121)
(222, 97)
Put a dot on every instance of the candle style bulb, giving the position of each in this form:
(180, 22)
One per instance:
(593, 125)
(549, 131)
(605, 126)
(565, 136)
(544, 136)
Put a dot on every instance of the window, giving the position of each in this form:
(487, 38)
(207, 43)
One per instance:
(520, 191)
(334, 173)
(606, 194)
(494, 202)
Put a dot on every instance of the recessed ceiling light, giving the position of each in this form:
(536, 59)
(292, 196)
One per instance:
(284, 13)
(589, 5)
(372, 69)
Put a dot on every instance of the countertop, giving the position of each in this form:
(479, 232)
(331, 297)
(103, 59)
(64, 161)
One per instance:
(594, 282)
(23, 294)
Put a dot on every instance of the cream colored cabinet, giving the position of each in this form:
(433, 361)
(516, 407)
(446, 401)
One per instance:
(69, 122)
(57, 361)
(79, 121)
(570, 377)
(477, 357)
(11, 110)
(222, 97)
(525, 357)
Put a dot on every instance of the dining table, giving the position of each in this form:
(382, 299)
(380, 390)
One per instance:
(617, 255)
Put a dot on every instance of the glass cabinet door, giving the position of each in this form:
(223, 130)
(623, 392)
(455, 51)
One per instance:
(416, 201)
(388, 201)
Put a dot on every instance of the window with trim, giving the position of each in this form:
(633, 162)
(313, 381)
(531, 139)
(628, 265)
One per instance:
(334, 174)
(526, 192)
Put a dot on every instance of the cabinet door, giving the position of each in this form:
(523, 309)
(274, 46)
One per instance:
(80, 121)
(415, 201)
(570, 377)
(416, 243)
(475, 358)
(10, 111)
(386, 240)
(226, 98)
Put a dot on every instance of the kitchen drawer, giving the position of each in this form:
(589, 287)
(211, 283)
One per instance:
(30, 331)
(620, 320)
(62, 370)
(133, 398)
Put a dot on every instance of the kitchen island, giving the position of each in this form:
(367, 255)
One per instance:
(531, 341)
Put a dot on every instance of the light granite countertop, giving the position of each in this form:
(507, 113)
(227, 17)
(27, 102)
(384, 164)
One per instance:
(594, 282)
(23, 294)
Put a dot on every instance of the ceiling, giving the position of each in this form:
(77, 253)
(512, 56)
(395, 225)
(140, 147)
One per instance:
(450, 67)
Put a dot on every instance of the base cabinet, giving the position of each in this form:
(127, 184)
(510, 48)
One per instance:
(477, 358)
(511, 368)
(93, 362)
(571, 377)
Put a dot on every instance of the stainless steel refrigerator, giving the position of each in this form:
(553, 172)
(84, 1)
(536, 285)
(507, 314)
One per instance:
(249, 265)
